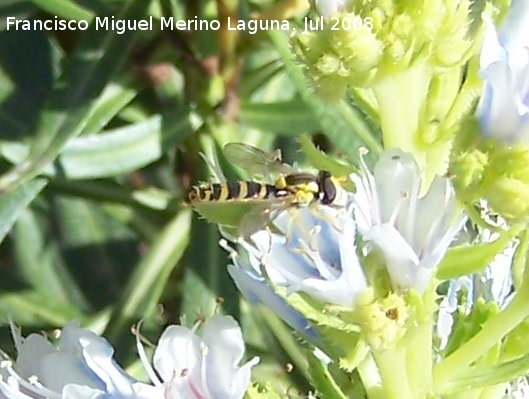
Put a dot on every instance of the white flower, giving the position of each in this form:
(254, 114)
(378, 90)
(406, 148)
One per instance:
(504, 106)
(329, 7)
(193, 367)
(312, 250)
(81, 366)
(412, 233)
(256, 290)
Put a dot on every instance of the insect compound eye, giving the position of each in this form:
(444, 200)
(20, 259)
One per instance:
(327, 188)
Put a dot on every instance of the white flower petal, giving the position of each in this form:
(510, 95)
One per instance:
(33, 348)
(503, 109)
(73, 391)
(59, 369)
(411, 233)
(81, 366)
(224, 344)
(256, 290)
(144, 391)
(198, 368)
(177, 352)
(351, 281)
(402, 262)
(315, 254)
(398, 183)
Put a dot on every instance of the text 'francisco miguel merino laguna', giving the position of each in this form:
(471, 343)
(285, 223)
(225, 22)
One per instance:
(120, 26)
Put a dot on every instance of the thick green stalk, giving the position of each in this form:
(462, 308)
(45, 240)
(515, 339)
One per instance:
(393, 371)
(418, 342)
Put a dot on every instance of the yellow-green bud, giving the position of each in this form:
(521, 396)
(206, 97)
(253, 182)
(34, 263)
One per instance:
(452, 41)
(467, 171)
(506, 181)
(509, 197)
(339, 55)
(383, 321)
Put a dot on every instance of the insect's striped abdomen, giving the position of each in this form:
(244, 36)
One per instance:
(231, 191)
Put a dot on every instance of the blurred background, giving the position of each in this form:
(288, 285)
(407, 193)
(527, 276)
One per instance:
(100, 135)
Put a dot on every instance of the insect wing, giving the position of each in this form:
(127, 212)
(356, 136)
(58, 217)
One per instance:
(261, 216)
(255, 160)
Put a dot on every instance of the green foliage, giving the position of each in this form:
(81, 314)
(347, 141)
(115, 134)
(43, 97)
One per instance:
(100, 136)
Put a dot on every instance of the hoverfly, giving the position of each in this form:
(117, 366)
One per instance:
(262, 202)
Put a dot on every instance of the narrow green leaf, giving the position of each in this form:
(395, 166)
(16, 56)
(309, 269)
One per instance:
(289, 117)
(323, 380)
(150, 198)
(37, 308)
(478, 377)
(258, 77)
(322, 161)
(66, 9)
(39, 262)
(115, 152)
(86, 74)
(14, 202)
(206, 277)
(99, 249)
(111, 101)
(140, 297)
(462, 260)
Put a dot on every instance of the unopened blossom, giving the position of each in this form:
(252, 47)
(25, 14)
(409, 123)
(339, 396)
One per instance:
(189, 366)
(80, 366)
(411, 233)
(504, 66)
(310, 250)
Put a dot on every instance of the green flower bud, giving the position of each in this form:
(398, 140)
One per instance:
(467, 171)
(506, 181)
(383, 321)
(452, 41)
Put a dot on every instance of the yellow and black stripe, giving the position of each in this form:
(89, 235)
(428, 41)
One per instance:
(301, 188)
(232, 191)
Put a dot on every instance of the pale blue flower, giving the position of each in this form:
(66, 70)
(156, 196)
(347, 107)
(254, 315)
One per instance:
(411, 233)
(312, 250)
(205, 366)
(504, 65)
(256, 290)
(80, 366)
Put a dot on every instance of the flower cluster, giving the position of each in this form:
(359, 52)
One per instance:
(314, 250)
(186, 366)
(497, 169)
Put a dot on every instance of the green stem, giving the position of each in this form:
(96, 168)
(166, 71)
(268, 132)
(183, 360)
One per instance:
(392, 366)
(418, 343)
(401, 97)
(492, 332)
(357, 123)
(368, 371)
